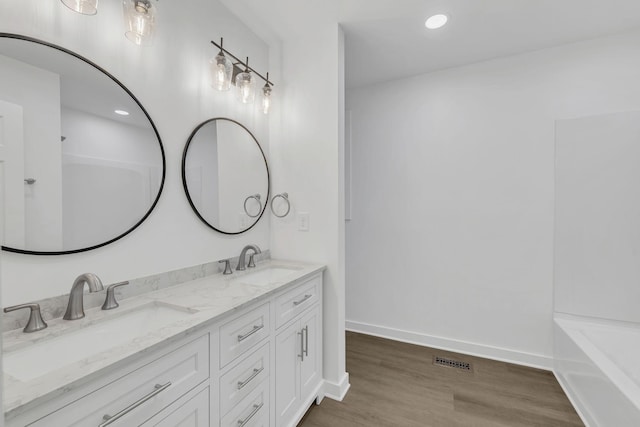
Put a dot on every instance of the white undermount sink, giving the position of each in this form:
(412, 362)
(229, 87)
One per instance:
(267, 276)
(117, 329)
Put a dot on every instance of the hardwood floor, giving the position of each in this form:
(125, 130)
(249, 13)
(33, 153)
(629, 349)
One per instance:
(396, 384)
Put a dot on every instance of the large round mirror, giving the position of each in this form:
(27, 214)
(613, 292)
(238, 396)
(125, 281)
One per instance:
(225, 176)
(82, 161)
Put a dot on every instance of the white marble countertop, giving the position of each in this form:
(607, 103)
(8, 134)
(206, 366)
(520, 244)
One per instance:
(209, 299)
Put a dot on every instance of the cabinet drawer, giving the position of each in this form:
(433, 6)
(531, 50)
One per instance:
(152, 388)
(239, 335)
(243, 378)
(191, 411)
(252, 411)
(295, 301)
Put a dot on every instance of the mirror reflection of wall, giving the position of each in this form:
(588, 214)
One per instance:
(224, 168)
(94, 174)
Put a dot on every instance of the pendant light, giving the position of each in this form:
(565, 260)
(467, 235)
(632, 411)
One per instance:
(85, 7)
(245, 85)
(139, 21)
(266, 96)
(221, 71)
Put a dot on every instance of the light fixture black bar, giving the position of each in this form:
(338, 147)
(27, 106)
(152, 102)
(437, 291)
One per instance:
(266, 80)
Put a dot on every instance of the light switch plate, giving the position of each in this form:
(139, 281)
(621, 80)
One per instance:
(303, 221)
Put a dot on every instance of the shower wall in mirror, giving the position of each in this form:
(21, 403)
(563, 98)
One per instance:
(597, 220)
(225, 176)
(83, 162)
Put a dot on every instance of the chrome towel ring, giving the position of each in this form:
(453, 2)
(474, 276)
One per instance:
(285, 197)
(257, 198)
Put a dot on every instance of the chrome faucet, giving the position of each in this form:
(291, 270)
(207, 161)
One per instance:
(241, 260)
(75, 308)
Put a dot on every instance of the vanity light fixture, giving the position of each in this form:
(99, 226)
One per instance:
(436, 21)
(221, 71)
(243, 77)
(139, 21)
(121, 112)
(85, 7)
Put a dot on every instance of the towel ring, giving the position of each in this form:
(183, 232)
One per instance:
(285, 197)
(257, 197)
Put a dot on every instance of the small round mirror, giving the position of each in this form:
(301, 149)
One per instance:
(225, 176)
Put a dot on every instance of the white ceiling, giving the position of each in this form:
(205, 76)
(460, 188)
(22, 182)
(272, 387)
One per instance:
(386, 39)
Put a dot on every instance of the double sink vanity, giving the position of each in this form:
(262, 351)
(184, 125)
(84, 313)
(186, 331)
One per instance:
(237, 349)
(229, 350)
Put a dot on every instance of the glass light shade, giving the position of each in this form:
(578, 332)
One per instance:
(266, 98)
(245, 87)
(221, 70)
(85, 7)
(139, 21)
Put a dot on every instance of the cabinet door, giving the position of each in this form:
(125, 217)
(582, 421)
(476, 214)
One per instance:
(193, 413)
(311, 364)
(287, 375)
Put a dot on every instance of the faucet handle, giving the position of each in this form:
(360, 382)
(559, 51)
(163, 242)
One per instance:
(227, 266)
(35, 323)
(110, 301)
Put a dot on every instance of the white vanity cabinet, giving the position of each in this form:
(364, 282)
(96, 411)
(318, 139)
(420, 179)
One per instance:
(298, 351)
(257, 366)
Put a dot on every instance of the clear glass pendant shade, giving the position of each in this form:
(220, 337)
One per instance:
(266, 98)
(221, 71)
(139, 21)
(245, 87)
(85, 7)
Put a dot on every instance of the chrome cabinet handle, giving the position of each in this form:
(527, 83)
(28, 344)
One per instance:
(306, 297)
(109, 419)
(256, 408)
(255, 373)
(248, 334)
(306, 340)
(301, 355)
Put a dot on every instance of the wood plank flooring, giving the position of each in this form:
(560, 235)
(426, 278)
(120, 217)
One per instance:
(396, 384)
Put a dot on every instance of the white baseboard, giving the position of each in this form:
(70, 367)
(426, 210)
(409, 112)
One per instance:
(337, 391)
(464, 347)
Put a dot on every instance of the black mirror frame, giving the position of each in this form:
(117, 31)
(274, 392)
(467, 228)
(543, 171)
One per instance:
(155, 130)
(186, 188)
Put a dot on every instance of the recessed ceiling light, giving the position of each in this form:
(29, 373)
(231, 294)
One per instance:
(121, 112)
(436, 21)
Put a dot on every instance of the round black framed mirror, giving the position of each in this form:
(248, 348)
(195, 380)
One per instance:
(83, 162)
(225, 175)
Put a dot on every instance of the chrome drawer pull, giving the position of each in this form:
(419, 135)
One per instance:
(256, 408)
(306, 297)
(248, 334)
(301, 355)
(306, 340)
(255, 373)
(108, 419)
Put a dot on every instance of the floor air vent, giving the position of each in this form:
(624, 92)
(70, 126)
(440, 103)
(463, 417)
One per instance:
(451, 363)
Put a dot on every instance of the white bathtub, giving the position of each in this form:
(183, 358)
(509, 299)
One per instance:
(597, 362)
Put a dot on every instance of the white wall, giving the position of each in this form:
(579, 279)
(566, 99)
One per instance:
(170, 79)
(451, 238)
(306, 160)
(597, 222)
